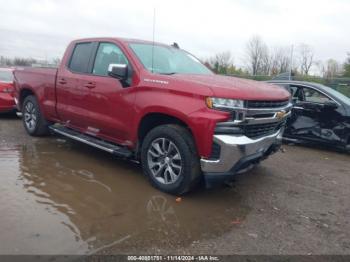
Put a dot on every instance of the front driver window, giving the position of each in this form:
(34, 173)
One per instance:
(107, 54)
(296, 93)
(314, 96)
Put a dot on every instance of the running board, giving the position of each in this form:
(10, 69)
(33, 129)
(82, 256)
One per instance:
(92, 141)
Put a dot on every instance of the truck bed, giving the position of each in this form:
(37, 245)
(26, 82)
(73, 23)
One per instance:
(38, 75)
(42, 82)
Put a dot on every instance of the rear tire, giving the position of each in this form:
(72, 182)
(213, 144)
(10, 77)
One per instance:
(33, 120)
(170, 160)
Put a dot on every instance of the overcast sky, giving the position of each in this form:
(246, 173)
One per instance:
(43, 28)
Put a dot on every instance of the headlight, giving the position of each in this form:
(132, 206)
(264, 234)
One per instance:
(223, 103)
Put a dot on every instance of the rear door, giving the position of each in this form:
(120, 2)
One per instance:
(72, 106)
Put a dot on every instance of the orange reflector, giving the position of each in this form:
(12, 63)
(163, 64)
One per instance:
(209, 102)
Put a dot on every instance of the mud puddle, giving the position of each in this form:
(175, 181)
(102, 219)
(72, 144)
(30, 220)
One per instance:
(61, 197)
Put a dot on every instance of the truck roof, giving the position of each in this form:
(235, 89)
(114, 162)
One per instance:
(119, 39)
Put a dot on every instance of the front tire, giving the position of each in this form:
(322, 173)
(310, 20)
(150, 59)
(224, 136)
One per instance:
(33, 120)
(170, 160)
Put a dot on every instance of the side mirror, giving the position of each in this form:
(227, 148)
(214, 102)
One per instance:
(119, 71)
(331, 104)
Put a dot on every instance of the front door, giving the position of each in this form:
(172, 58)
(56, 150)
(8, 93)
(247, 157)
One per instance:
(110, 101)
(314, 115)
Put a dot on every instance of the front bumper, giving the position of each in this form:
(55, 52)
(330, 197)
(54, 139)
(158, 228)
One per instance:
(239, 153)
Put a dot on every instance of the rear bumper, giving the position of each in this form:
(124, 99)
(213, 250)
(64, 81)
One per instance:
(239, 153)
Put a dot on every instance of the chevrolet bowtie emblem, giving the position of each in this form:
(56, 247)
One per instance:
(280, 114)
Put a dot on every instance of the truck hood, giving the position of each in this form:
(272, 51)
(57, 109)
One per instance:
(233, 87)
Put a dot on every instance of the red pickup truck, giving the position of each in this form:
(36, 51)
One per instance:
(157, 104)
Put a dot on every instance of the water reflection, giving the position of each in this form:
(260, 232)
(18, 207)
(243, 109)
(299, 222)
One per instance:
(61, 197)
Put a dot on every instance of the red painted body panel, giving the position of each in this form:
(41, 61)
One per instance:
(114, 113)
(7, 101)
(42, 82)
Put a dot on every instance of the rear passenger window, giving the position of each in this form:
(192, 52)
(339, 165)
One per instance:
(79, 61)
(107, 54)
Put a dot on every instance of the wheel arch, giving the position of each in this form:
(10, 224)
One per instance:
(153, 119)
(24, 92)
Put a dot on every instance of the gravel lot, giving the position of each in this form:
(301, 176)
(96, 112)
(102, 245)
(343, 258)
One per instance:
(61, 197)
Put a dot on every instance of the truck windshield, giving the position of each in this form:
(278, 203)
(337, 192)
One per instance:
(168, 60)
(6, 76)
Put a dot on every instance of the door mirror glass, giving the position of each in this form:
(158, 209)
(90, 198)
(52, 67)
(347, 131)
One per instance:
(119, 71)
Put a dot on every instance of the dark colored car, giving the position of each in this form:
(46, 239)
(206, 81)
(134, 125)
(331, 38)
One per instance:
(7, 100)
(319, 114)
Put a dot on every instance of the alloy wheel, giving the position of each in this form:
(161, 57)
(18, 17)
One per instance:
(30, 117)
(164, 161)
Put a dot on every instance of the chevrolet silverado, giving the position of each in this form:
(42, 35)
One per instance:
(157, 104)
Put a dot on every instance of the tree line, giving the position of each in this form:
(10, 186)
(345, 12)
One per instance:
(260, 59)
(20, 61)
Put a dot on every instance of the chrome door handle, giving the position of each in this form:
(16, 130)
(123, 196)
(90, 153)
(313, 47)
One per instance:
(90, 85)
(62, 81)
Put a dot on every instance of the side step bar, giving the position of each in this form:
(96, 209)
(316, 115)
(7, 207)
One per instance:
(92, 141)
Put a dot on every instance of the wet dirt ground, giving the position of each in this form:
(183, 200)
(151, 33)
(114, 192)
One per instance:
(62, 197)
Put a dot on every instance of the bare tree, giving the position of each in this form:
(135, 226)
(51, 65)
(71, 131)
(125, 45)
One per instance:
(333, 68)
(19, 61)
(265, 63)
(346, 66)
(321, 67)
(306, 58)
(56, 61)
(5, 61)
(256, 55)
(280, 60)
(221, 62)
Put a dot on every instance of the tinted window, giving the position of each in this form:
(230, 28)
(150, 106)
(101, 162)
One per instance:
(107, 54)
(296, 93)
(335, 94)
(80, 59)
(314, 96)
(6, 76)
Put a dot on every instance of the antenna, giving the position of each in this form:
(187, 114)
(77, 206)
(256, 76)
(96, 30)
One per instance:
(291, 62)
(154, 26)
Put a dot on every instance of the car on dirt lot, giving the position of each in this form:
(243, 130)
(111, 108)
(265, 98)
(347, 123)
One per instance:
(7, 100)
(157, 104)
(320, 114)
